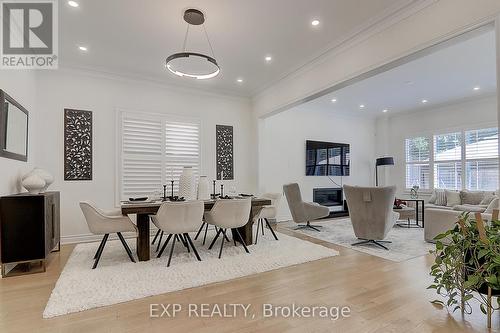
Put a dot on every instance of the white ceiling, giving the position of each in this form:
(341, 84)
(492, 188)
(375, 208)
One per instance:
(444, 76)
(133, 37)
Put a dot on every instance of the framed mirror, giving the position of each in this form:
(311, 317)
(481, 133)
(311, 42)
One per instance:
(13, 129)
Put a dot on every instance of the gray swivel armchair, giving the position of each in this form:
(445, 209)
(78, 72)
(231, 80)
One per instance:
(303, 212)
(371, 212)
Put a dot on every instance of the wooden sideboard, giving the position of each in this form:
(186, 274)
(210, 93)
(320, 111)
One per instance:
(29, 230)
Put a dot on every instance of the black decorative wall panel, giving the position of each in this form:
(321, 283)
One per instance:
(77, 145)
(224, 143)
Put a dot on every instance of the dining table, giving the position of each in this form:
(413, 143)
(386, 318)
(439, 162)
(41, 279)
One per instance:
(143, 210)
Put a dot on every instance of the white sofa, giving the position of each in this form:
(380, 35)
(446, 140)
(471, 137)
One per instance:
(441, 218)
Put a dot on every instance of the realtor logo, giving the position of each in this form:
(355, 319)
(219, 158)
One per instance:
(29, 34)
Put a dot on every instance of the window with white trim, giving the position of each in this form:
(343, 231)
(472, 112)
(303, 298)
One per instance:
(448, 161)
(154, 150)
(481, 159)
(418, 162)
(466, 159)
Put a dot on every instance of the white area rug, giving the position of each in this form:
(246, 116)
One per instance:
(406, 243)
(117, 279)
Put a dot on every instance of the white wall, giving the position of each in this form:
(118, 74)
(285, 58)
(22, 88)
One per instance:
(403, 36)
(393, 130)
(282, 139)
(104, 95)
(20, 85)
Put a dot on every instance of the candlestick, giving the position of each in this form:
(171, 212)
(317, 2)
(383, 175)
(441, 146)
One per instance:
(164, 192)
(221, 190)
(213, 195)
(222, 175)
(172, 187)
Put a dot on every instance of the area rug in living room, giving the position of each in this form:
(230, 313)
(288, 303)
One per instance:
(407, 243)
(117, 280)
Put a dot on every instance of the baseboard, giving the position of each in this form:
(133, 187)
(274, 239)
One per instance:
(89, 238)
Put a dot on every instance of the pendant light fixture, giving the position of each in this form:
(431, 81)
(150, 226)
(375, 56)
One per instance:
(190, 64)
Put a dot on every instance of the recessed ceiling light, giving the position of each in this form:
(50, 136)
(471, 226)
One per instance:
(385, 110)
(73, 4)
(83, 48)
(315, 22)
(239, 80)
(268, 58)
(361, 106)
(476, 88)
(334, 100)
(424, 101)
(408, 82)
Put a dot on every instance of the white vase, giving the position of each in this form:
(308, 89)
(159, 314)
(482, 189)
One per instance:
(33, 183)
(47, 177)
(187, 188)
(203, 192)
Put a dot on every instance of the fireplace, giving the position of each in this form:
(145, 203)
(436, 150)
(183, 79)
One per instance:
(333, 199)
(328, 196)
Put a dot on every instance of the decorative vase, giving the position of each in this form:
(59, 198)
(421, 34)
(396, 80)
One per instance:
(187, 188)
(33, 183)
(47, 177)
(414, 192)
(203, 192)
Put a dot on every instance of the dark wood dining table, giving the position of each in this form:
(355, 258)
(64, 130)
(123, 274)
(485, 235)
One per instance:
(143, 210)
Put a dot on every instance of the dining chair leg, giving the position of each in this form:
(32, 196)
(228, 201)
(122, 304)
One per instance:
(272, 231)
(99, 248)
(159, 242)
(262, 226)
(156, 236)
(257, 233)
(171, 251)
(125, 245)
(164, 246)
(192, 245)
(222, 242)
(215, 238)
(184, 242)
(205, 235)
(199, 231)
(241, 241)
(104, 240)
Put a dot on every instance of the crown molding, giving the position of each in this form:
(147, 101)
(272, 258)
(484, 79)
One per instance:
(386, 19)
(139, 79)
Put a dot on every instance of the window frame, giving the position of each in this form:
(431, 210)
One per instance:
(430, 136)
(164, 117)
(429, 162)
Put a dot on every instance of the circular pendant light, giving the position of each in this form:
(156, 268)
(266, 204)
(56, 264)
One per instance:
(191, 64)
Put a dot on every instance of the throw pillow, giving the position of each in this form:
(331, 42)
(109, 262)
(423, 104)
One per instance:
(472, 197)
(493, 205)
(440, 198)
(452, 198)
(432, 199)
(488, 198)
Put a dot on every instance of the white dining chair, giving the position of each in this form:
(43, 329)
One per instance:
(267, 212)
(102, 222)
(229, 214)
(177, 220)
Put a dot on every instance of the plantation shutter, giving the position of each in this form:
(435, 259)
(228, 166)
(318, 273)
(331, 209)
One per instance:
(481, 154)
(141, 156)
(182, 149)
(153, 148)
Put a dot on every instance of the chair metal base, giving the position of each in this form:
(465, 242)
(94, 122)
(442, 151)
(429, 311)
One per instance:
(260, 224)
(374, 242)
(309, 226)
(183, 238)
(100, 249)
(223, 232)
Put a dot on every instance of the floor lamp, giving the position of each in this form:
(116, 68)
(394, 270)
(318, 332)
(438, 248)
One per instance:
(382, 161)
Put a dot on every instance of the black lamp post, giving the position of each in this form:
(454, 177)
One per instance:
(382, 161)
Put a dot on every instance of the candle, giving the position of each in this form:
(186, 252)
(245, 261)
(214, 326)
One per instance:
(222, 175)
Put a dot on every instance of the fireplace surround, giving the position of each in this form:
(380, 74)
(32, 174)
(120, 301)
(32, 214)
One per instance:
(333, 198)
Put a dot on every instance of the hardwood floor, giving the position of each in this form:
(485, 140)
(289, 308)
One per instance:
(384, 296)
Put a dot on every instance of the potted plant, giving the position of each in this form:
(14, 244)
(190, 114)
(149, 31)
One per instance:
(467, 264)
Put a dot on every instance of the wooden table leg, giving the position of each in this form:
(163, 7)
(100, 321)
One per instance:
(143, 237)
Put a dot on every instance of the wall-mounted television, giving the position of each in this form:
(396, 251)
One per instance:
(327, 158)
